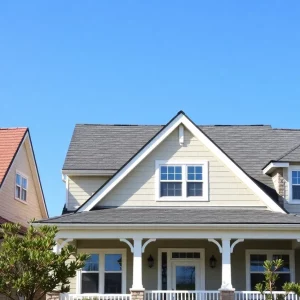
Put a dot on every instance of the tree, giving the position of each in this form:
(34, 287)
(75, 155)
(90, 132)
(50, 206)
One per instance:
(28, 266)
(268, 286)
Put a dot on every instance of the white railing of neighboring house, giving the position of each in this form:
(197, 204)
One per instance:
(68, 296)
(182, 295)
(254, 295)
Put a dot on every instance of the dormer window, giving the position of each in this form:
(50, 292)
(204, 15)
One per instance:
(21, 186)
(181, 181)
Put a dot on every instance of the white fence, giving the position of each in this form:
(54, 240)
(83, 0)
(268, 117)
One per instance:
(253, 295)
(182, 295)
(67, 296)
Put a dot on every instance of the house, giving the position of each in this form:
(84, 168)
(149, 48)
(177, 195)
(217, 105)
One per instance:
(21, 194)
(180, 211)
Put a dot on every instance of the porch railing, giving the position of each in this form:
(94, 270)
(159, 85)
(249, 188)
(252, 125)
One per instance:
(68, 296)
(182, 295)
(254, 295)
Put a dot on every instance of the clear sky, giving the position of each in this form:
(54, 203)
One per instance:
(67, 62)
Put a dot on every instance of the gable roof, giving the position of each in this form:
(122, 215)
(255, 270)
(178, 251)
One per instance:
(10, 141)
(179, 119)
(292, 155)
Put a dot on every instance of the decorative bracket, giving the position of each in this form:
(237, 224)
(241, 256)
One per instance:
(128, 243)
(234, 243)
(217, 243)
(146, 244)
(60, 246)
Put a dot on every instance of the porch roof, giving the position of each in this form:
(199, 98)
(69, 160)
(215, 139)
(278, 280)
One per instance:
(175, 215)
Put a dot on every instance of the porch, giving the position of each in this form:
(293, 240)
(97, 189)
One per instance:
(185, 269)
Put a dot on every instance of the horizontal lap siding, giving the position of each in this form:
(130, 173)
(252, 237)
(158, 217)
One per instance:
(138, 188)
(80, 188)
(12, 209)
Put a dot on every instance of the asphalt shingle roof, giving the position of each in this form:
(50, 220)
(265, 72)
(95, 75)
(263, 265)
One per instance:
(178, 215)
(108, 147)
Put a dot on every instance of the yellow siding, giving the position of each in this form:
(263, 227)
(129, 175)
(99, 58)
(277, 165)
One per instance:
(14, 210)
(80, 188)
(138, 188)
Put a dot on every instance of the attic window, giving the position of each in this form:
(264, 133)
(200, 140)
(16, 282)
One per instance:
(21, 187)
(181, 181)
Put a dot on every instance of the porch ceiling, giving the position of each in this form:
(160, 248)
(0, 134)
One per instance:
(171, 215)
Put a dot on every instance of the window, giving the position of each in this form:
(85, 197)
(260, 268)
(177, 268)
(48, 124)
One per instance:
(170, 181)
(296, 185)
(90, 275)
(104, 272)
(181, 181)
(256, 270)
(113, 274)
(21, 187)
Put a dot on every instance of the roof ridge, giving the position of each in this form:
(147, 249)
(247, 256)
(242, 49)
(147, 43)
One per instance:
(199, 125)
(288, 129)
(12, 128)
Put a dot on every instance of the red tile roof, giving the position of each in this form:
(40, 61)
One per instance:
(10, 139)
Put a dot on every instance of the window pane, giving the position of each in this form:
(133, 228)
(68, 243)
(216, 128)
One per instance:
(257, 262)
(286, 262)
(18, 179)
(170, 189)
(90, 282)
(296, 192)
(282, 279)
(163, 169)
(164, 263)
(23, 195)
(256, 278)
(194, 189)
(113, 262)
(194, 172)
(18, 192)
(24, 183)
(92, 264)
(113, 283)
(171, 173)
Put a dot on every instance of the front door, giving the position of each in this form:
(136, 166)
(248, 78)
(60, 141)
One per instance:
(185, 275)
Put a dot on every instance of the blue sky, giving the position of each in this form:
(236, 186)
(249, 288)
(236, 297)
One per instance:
(67, 62)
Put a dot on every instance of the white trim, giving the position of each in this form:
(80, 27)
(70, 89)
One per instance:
(274, 165)
(235, 243)
(269, 254)
(169, 267)
(101, 271)
(181, 134)
(128, 243)
(184, 164)
(89, 172)
(67, 190)
(147, 243)
(180, 119)
(290, 184)
(216, 243)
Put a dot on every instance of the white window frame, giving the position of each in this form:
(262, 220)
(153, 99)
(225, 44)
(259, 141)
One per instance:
(101, 253)
(169, 251)
(22, 175)
(184, 165)
(269, 254)
(290, 184)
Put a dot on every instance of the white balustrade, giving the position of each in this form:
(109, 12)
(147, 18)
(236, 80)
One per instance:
(254, 295)
(68, 296)
(182, 295)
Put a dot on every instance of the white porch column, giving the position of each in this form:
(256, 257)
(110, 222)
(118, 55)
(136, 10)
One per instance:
(226, 265)
(137, 284)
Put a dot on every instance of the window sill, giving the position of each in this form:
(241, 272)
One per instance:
(22, 201)
(180, 199)
(294, 202)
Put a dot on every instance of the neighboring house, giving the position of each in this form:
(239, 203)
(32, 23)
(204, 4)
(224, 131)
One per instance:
(21, 195)
(163, 209)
